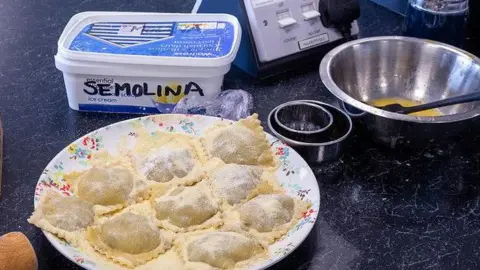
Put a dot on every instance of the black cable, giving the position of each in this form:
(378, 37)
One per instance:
(340, 14)
(346, 31)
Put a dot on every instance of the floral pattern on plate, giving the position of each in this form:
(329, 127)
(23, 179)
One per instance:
(294, 174)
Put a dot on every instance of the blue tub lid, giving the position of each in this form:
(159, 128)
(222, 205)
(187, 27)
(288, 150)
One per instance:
(157, 35)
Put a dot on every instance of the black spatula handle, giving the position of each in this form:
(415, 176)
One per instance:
(443, 103)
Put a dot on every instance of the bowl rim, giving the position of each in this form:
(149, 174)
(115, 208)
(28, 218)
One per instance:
(344, 97)
(316, 106)
(295, 143)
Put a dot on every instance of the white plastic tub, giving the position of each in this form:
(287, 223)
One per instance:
(129, 62)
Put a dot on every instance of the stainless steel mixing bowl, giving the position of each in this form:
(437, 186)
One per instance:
(386, 67)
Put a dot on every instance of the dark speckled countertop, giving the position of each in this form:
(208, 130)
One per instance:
(380, 209)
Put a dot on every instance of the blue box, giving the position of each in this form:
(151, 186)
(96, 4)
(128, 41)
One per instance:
(398, 6)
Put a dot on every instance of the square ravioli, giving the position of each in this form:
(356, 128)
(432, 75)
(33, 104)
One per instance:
(64, 216)
(243, 142)
(130, 237)
(219, 250)
(182, 209)
(267, 217)
(168, 158)
(235, 183)
(110, 185)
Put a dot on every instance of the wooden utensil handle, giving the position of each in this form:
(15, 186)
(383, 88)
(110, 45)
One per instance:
(1, 155)
(17, 253)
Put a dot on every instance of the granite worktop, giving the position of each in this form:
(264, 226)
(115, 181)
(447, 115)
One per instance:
(380, 208)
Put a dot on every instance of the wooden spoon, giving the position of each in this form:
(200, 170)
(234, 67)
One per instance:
(17, 253)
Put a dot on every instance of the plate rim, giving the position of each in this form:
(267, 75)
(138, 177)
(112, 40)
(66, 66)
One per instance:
(55, 242)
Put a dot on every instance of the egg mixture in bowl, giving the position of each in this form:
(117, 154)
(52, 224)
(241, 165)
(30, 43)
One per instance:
(368, 72)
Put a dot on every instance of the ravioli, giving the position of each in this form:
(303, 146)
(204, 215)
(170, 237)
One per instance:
(267, 217)
(110, 184)
(187, 209)
(235, 183)
(66, 217)
(243, 142)
(107, 188)
(266, 212)
(169, 159)
(166, 164)
(224, 250)
(129, 239)
(217, 195)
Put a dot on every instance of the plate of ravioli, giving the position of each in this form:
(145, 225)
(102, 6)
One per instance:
(177, 192)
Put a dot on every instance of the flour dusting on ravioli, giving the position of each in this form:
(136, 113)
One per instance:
(65, 216)
(129, 239)
(168, 200)
(187, 209)
(243, 142)
(224, 250)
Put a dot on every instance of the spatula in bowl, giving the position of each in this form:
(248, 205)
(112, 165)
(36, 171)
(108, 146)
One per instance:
(397, 108)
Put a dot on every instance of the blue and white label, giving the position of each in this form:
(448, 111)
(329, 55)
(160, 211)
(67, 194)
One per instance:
(169, 39)
(127, 35)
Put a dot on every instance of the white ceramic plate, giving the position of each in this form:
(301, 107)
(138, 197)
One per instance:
(294, 175)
